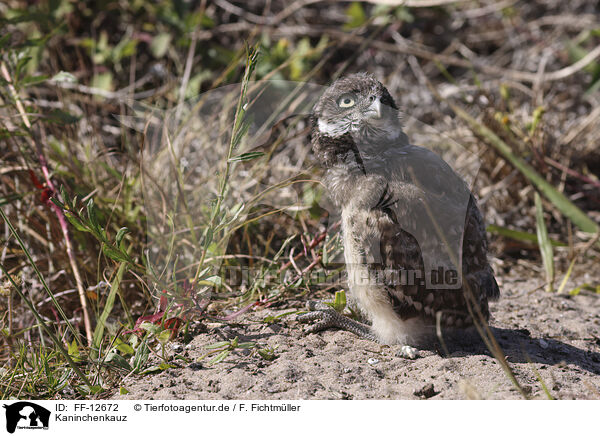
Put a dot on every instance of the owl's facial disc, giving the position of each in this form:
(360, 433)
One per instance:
(363, 116)
(360, 106)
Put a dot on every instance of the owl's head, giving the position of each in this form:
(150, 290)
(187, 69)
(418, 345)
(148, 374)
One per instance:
(358, 105)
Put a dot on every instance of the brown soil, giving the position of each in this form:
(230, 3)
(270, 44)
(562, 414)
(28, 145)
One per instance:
(547, 338)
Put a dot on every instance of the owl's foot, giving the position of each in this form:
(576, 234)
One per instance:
(329, 318)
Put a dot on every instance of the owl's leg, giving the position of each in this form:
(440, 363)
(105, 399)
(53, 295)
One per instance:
(330, 318)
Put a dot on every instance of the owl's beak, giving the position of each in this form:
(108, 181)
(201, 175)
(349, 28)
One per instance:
(374, 111)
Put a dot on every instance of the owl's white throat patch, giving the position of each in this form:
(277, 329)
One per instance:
(330, 129)
(335, 129)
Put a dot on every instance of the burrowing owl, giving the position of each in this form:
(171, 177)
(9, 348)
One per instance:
(414, 241)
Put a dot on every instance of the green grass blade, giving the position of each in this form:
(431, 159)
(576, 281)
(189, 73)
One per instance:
(558, 199)
(544, 243)
(561, 288)
(519, 235)
(59, 308)
(108, 306)
(59, 346)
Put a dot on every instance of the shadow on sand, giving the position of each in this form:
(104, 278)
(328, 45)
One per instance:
(520, 347)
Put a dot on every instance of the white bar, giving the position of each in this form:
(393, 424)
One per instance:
(367, 418)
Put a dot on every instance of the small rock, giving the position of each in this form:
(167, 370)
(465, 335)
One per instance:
(345, 395)
(195, 366)
(275, 328)
(543, 344)
(426, 391)
(408, 352)
(177, 347)
(373, 361)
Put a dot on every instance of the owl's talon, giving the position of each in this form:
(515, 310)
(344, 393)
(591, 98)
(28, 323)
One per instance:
(313, 305)
(329, 318)
(319, 311)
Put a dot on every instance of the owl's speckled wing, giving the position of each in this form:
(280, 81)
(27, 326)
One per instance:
(429, 224)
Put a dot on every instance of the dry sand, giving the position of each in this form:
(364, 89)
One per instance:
(548, 337)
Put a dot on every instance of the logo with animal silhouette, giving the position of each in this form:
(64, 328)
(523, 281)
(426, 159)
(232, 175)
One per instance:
(26, 415)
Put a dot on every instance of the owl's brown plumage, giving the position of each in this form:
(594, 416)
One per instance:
(405, 214)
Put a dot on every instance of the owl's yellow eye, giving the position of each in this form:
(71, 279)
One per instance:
(346, 100)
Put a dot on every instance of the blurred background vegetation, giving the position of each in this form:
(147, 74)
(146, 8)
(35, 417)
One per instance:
(515, 82)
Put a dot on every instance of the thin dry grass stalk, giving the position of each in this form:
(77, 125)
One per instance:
(57, 210)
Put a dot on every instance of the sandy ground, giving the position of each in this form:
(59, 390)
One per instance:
(548, 337)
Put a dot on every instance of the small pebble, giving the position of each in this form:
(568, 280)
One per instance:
(408, 352)
(373, 361)
(177, 348)
(427, 391)
(195, 366)
(543, 344)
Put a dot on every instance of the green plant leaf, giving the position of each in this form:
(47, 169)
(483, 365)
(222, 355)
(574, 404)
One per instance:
(210, 281)
(141, 356)
(75, 222)
(115, 254)
(103, 81)
(73, 350)
(108, 307)
(123, 347)
(246, 345)
(64, 195)
(91, 212)
(33, 80)
(219, 357)
(356, 15)
(160, 44)
(64, 76)
(151, 328)
(157, 368)
(216, 345)
(120, 235)
(339, 303)
(164, 336)
(267, 354)
(117, 360)
(21, 63)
